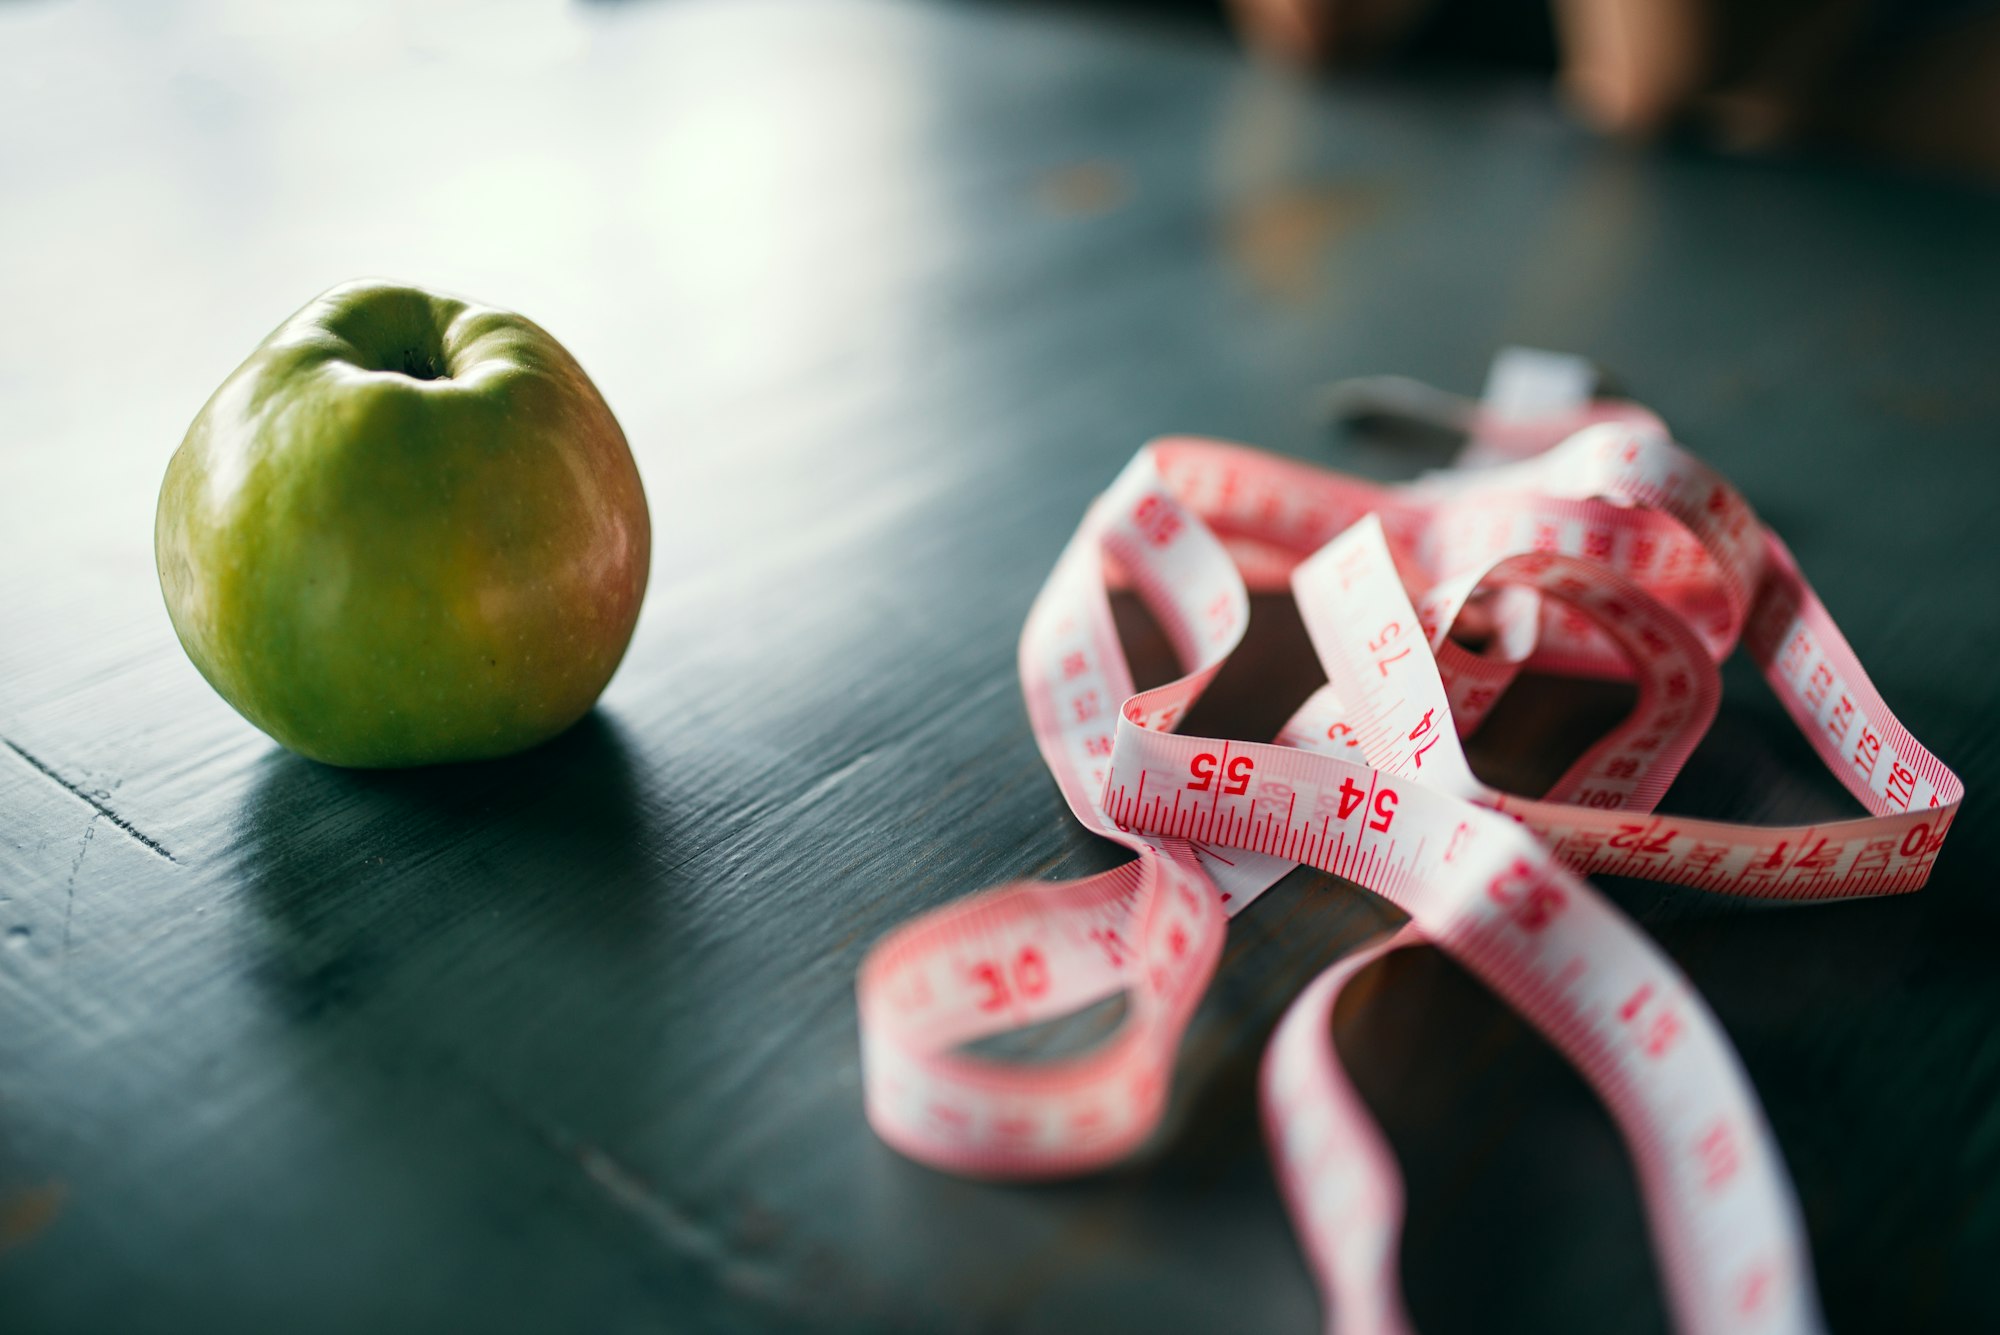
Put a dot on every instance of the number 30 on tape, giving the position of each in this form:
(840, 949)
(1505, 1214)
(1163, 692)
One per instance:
(1613, 553)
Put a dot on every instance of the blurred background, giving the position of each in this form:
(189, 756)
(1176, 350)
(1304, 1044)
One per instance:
(786, 218)
(882, 292)
(1917, 82)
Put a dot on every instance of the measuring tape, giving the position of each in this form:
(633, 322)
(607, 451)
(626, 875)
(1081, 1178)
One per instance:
(1613, 554)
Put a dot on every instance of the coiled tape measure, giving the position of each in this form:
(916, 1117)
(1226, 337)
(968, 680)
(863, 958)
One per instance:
(1579, 540)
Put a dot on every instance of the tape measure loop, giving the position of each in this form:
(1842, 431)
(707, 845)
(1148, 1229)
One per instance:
(1608, 551)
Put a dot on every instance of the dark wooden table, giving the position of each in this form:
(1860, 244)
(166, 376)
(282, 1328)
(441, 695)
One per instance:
(883, 295)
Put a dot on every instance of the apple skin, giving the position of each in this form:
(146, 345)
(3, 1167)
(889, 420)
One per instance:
(406, 531)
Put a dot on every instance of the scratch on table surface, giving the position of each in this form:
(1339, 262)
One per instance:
(636, 1197)
(916, 730)
(826, 783)
(74, 790)
(681, 1233)
(69, 899)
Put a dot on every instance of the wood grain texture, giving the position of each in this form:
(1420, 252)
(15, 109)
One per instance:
(882, 295)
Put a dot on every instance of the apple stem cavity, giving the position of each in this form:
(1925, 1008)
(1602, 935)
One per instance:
(423, 365)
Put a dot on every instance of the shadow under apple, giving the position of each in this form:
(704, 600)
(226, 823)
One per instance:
(512, 918)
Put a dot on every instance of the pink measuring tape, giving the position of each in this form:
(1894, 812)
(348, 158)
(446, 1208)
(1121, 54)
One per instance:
(1613, 553)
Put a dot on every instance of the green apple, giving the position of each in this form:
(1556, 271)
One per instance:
(407, 530)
